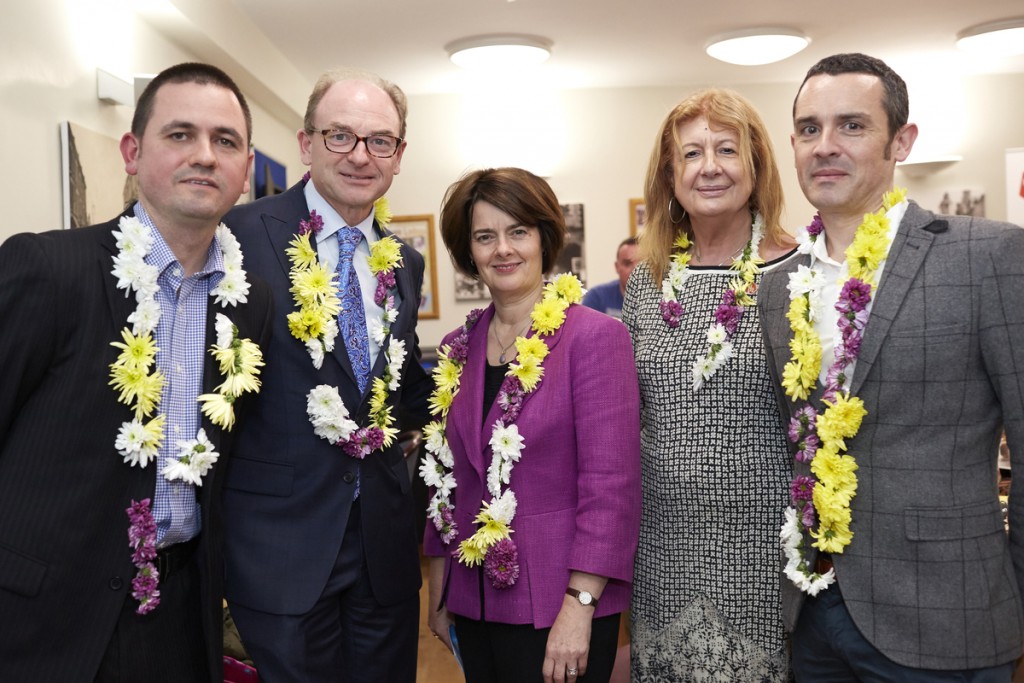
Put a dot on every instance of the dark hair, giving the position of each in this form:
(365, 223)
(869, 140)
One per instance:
(328, 79)
(895, 100)
(188, 72)
(522, 195)
(633, 241)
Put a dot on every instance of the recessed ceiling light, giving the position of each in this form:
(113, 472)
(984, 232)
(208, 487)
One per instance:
(755, 46)
(996, 38)
(499, 51)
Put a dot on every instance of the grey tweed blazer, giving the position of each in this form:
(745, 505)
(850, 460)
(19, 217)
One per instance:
(931, 578)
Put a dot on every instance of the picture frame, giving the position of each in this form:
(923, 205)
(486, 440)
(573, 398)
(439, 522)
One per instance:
(418, 232)
(637, 216)
(95, 185)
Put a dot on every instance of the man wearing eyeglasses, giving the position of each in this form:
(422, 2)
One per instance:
(323, 572)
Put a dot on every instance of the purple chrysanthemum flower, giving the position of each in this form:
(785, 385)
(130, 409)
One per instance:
(816, 227)
(501, 565)
(671, 312)
(459, 351)
(801, 490)
(473, 317)
(314, 225)
(857, 293)
(305, 177)
(809, 516)
(808, 447)
(729, 316)
(802, 423)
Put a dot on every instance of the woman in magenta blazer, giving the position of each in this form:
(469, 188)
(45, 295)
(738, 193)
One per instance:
(534, 459)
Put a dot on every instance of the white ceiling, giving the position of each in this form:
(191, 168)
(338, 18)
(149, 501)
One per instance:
(619, 43)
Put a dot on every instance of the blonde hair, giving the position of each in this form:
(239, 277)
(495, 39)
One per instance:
(722, 108)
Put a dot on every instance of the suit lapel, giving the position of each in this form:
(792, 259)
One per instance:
(906, 256)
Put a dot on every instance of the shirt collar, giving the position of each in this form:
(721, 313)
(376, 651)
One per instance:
(819, 250)
(333, 222)
(163, 257)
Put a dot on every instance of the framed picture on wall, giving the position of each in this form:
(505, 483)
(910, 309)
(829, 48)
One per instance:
(95, 185)
(637, 216)
(418, 233)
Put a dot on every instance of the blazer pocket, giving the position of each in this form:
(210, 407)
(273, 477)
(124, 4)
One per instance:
(260, 476)
(921, 336)
(20, 573)
(951, 524)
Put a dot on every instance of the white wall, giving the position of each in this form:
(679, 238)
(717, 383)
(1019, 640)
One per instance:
(601, 139)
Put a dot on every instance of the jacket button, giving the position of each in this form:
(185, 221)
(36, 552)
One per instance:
(348, 477)
(116, 583)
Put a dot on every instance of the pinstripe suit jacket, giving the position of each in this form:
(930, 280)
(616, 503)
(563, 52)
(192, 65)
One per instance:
(931, 578)
(288, 492)
(65, 563)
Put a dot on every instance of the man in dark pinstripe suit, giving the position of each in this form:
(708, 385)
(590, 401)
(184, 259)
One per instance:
(77, 603)
(928, 586)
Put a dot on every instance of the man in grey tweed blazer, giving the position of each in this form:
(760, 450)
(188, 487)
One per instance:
(928, 588)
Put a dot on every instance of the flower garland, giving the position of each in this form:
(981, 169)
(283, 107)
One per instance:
(140, 385)
(491, 544)
(315, 323)
(738, 295)
(142, 539)
(823, 500)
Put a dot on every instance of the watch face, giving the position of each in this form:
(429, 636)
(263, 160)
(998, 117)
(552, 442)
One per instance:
(586, 598)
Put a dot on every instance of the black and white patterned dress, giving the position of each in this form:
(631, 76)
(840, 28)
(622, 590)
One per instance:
(716, 473)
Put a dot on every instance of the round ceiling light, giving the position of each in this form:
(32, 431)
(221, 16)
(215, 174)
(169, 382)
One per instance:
(499, 51)
(756, 46)
(996, 38)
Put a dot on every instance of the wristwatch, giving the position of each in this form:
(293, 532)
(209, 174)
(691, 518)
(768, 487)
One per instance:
(585, 598)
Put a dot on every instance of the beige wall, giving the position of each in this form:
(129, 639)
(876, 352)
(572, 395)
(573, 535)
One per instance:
(47, 75)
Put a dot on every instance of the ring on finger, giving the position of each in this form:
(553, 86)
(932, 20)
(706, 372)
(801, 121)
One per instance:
(572, 671)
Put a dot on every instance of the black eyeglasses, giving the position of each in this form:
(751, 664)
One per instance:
(343, 142)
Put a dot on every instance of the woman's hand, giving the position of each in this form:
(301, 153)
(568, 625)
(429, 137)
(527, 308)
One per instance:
(569, 640)
(438, 618)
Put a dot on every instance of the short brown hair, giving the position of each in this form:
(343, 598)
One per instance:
(522, 195)
(188, 72)
(727, 109)
(324, 83)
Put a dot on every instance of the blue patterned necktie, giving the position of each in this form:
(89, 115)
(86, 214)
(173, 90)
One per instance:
(352, 318)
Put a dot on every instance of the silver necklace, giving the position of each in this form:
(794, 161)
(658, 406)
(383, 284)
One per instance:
(505, 347)
(729, 259)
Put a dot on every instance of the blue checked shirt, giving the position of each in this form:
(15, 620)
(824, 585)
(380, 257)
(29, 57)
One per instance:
(181, 339)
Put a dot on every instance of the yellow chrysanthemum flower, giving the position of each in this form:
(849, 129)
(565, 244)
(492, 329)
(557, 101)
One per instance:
(470, 553)
(441, 401)
(567, 288)
(137, 352)
(301, 253)
(153, 432)
(491, 530)
(548, 316)
(798, 313)
(382, 211)
(832, 539)
(219, 408)
(841, 419)
(378, 395)
(385, 254)
(893, 197)
(532, 348)
(529, 372)
(446, 374)
(682, 241)
(312, 286)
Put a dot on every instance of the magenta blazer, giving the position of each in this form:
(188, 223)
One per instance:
(577, 483)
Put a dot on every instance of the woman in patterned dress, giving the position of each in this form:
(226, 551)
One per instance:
(715, 465)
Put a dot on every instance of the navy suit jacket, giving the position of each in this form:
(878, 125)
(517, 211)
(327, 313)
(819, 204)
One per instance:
(289, 492)
(65, 563)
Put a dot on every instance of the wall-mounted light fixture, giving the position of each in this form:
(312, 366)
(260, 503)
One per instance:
(755, 46)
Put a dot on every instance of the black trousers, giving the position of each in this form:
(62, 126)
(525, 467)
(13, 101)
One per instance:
(165, 645)
(514, 653)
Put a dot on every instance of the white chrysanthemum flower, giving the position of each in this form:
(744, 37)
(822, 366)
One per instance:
(145, 317)
(447, 484)
(445, 456)
(316, 352)
(434, 440)
(377, 333)
(804, 242)
(677, 275)
(330, 334)
(390, 314)
(804, 280)
(178, 470)
(494, 476)
(503, 508)
(667, 293)
(702, 370)
(717, 333)
(815, 305)
(506, 441)
(225, 330)
(725, 351)
(323, 400)
(429, 471)
(131, 444)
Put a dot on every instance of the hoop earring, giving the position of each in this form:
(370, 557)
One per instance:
(671, 217)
